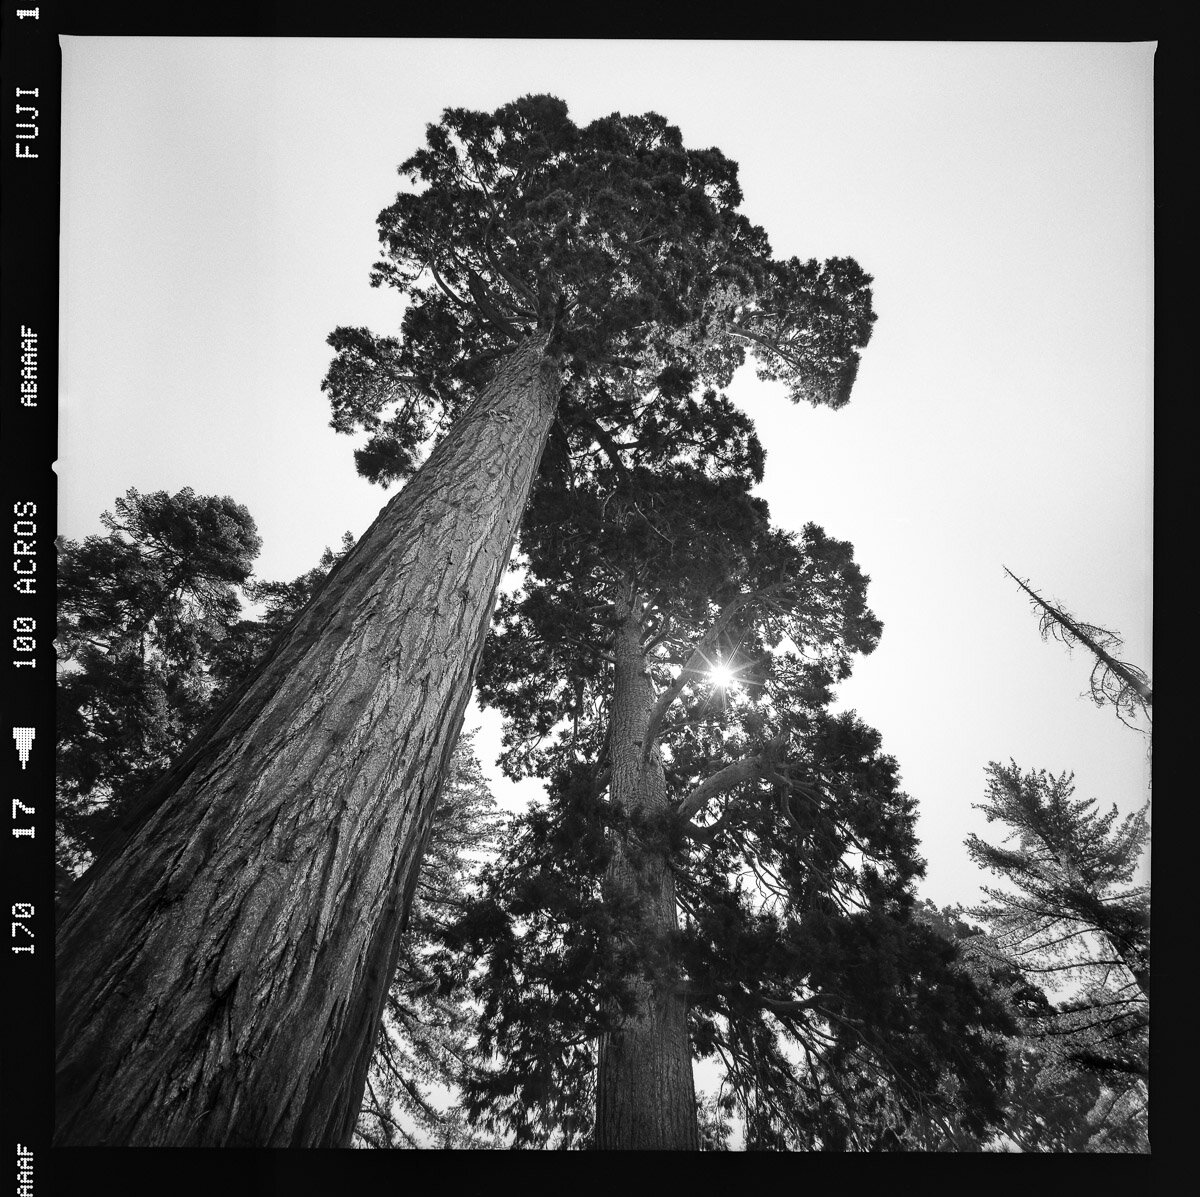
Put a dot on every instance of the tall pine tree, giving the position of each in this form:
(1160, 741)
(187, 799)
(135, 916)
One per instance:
(1072, 917)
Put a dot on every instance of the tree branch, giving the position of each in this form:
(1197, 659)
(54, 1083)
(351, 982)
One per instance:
(604, 440)
(747, 769)
(488, 307)
(449, 292)
(702, 835)
(511, 279)
(783, 1006)
(771, 346)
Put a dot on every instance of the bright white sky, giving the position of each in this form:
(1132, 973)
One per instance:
(219, 204)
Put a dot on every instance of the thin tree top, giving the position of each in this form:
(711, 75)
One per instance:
(1126, 687)
(616, 244)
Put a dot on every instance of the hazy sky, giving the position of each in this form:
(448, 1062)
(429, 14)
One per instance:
(219, 202)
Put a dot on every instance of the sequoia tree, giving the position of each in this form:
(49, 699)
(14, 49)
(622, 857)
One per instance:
(222, 967)
(667, 669)
(150, 635)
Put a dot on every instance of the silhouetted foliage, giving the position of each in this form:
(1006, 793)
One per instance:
(1074, 911)
(1051, 1103)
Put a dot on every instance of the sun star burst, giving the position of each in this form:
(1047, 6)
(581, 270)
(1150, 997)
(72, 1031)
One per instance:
(723, 676)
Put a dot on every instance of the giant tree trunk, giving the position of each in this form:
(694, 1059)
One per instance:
(222, 969)
(645, 1095)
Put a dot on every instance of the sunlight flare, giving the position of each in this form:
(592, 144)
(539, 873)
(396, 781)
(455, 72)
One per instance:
(723, 676)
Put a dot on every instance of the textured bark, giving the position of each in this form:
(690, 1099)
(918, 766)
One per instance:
(222, 970)
(645, 1094)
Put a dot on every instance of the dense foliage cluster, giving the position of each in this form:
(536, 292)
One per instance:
(616, 245)
(143, 611)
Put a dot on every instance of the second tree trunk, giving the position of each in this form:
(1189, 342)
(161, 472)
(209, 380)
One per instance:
(645, 1095)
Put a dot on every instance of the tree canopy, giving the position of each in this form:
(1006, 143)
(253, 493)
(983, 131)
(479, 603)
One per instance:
(615, 243)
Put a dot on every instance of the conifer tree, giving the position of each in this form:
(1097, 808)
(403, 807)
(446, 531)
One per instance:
(1072, 914)
(151, 635)
(425, 1034)
(1051, 1104)
(1073, 919)
(223, 967)
(142, 610)
(690, 885)
(631, 337)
